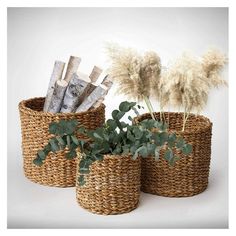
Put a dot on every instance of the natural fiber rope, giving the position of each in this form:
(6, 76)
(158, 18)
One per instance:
(56, 170)
(190, 174)
(112, 186)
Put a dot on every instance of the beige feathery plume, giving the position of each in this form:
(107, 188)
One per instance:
(213, 61)
(188, 80)
(125, 70)
(185, 84)
(133, 73)
(151, 71)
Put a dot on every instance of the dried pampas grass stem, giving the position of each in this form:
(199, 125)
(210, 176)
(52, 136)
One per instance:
(149, 106)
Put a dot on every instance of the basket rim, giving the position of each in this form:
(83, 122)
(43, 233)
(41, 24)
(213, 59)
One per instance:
(22, 106)
(117, 156)
(109, 155)
(206, 127)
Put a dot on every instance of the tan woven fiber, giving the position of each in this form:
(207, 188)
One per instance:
(112, 186)
(190, 174)
(56, 170)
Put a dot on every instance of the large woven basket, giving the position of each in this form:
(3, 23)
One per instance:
(56, 170)
(189, 176)
(112, 186)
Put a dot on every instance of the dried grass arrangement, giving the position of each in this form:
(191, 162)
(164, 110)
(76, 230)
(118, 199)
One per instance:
(187, 82)
(184, 85)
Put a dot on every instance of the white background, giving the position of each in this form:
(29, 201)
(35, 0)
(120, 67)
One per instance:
(37, 37)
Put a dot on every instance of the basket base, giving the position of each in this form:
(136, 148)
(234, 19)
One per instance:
(58, 185)
(109, 212)
(177, 195)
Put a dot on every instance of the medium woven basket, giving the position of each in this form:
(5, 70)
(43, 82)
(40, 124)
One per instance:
(189, 176)
(56, 170)
(112, 186)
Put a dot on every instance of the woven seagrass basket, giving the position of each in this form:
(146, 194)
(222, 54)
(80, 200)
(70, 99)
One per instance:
(57, 170)
(189, 176)
(112, 186)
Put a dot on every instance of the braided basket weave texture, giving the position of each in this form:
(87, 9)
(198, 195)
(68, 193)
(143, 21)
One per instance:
(189, 176)
(112, 186)
(56, 170)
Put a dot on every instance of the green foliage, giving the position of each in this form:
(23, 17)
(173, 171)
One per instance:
(116, 137)
(63, 132)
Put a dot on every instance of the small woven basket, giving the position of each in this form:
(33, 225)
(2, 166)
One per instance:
(189, 175)
(57, 170)
(112, 186)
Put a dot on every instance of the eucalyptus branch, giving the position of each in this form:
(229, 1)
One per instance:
(115, 137)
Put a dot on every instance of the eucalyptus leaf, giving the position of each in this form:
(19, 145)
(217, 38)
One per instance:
(142, 151)
(38, 161)
(130, 136)
(114, 114)
(54, 145)
(120, 114)
(169, 155)
(130, 118)
(173, 160)
(187, 149)
(157, 153)
(84, 166)
(71, 154)
(53, 128)
(47, 148)
(60, 140)
(81, 130)
(81, 180)
(96, 135)
(125, 149)
(180, 142)
(111, 124)
(163, 138)
(138, 133)
(124, 106)
(41, 155)
(68, 141)
(135, 111)
(171, 140)
(151, 148)
(74, 139)
(99, 157)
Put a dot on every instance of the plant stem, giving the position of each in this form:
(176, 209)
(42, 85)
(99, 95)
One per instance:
(152, 108)
(164, 118)
(168, 114)
(185, 119)
(146, 100)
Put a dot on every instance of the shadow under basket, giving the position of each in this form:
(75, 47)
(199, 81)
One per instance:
(57, 170)
(189, 175)
(112, 186)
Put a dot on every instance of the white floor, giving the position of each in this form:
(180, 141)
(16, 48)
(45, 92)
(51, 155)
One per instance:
(34, 206)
